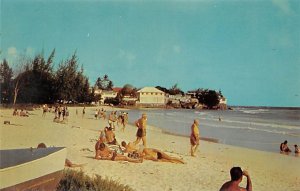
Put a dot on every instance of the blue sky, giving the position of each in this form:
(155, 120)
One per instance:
(250, 50)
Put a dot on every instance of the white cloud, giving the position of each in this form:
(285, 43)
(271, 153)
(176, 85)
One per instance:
(177, 48)
(283, 5)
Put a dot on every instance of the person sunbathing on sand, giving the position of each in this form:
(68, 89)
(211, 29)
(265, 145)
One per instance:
(130, 147)
(104, 153)
(157, 155)
(237, 174)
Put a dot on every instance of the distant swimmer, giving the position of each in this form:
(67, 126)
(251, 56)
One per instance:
(296, 149)
(284, 147)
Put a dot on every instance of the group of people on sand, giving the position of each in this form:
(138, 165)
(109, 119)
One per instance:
(131, 151)
(285, 149)
(100, 113)
(22, 113)
(122, 119)
(61, 113)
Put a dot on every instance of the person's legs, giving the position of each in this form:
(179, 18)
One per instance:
(119, 157)
(144, 141)
(192, 150)
(164, 157)
(138, 139)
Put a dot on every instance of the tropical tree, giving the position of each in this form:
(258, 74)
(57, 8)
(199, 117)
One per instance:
(6, 85)
(174, 90)
(210, 98)
(104, 83)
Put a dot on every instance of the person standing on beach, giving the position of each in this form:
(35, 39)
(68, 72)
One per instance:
(237, 174)
(141, 131)
(195, 137)
(83, 112)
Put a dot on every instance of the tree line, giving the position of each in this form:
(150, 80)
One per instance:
(36, 81)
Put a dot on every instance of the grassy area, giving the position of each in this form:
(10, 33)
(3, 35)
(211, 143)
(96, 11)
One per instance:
(76, 180)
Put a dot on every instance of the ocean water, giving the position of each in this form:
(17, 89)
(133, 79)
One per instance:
(256, 128)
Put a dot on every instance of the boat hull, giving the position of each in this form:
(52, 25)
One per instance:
(41, 170)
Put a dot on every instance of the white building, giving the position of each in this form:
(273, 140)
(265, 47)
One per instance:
(151, 96)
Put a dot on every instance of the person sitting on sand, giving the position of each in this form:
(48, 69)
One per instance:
(68, 163)
(110, 136)
(157, 155)
(296, 149)
(15, 113)
(195, 137)
(237, 174)
(284, 147)
(104, 153)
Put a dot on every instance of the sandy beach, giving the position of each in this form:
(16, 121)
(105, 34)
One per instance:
(208, 171)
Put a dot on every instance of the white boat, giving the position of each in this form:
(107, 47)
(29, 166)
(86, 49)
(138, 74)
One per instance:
(31, 169)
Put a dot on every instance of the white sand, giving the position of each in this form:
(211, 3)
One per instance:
(208, 171)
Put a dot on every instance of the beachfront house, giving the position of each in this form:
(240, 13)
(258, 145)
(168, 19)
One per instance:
(106, 94)
(222, 103)
(151, 97)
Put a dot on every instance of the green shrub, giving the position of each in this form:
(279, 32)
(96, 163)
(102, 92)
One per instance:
(73, 180)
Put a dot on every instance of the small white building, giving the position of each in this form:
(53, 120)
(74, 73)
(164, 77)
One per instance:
(151, 96)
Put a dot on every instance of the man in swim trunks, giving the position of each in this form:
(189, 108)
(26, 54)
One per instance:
(195, 137)
(141, 131)
(237, 174)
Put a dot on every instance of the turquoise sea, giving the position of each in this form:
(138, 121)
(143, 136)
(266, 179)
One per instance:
(258, 128)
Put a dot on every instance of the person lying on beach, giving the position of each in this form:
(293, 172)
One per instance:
(110, 136)
(130, 147)
(104, 153)
(68, 163)
(24, 113)
(237, 174)
(284, 147)
(157, 155)
(296, 149)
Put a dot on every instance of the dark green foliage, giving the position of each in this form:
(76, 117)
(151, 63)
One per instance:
(37, 83)
(163, 89)
(113, 101)
(128, 90)
(71, 84)
(104, 83)
(6, 85)
(210, 98)
(174, 90)
(74, 181)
